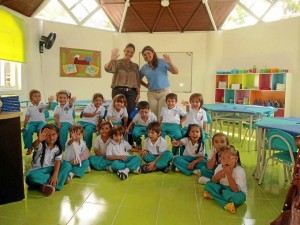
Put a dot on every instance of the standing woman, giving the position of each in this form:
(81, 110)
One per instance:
(156, 72)
(126, 78)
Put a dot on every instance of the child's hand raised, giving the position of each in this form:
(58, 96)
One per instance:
(72, 100)
(185, 103)
(51, 98)
(43, 134)
(73, 135)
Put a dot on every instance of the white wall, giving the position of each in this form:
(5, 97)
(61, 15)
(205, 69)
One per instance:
(268, 45)
(264, 45)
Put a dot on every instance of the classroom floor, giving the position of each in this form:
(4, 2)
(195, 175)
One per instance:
(147, 199)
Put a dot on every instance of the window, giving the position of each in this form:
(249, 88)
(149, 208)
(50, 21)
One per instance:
(10, 76)
(86, 13)
(250, 12)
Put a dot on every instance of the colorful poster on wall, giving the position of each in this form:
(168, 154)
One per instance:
(80, 63)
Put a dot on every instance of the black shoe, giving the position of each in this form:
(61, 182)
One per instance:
(144, 169)
(122, 175)
(167, 168)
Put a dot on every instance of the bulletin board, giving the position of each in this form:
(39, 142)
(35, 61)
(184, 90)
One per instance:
(80, 63)
(181, 82)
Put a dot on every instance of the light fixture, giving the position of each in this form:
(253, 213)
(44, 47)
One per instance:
(165, 3)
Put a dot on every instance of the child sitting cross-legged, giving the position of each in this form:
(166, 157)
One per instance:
(99, 161)
(219, 141)
(77, 153)
(228, 185)
(117, 152)
(155, 152)
(48, 172)
(193, 157)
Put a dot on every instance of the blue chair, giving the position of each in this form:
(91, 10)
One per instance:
(281, 149)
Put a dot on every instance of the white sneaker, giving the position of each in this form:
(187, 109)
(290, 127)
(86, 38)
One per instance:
(176, 169)
(203, 180)
(197, 172)
(137, 170)
(69, 178)
(108, 168)
(88, 170)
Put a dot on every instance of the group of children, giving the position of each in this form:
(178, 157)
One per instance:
(57, 158)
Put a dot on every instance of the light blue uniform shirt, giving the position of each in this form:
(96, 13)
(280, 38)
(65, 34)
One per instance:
(158, 77)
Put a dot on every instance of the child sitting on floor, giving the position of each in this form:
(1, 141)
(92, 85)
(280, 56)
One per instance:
(155, 153)
(228, 185)
(117, 152)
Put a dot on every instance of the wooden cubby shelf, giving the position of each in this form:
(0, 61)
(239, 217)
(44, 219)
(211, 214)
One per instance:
(266, 89)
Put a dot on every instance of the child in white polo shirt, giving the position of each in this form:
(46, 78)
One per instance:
(117, 152)
(48, 172)
(77, 153)
(117, 113)
(34, 118)
(195, 113)
(155, 153)
(171, 118)
(99, 160)
(193, 157)
(228, 186)
(140, 122)
(92, 117)
(63, 115)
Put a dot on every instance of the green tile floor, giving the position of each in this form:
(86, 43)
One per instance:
(147, 199)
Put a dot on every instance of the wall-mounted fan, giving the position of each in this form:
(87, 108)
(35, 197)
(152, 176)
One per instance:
(47, 41)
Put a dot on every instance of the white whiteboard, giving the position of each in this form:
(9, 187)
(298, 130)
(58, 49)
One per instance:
(181, 82)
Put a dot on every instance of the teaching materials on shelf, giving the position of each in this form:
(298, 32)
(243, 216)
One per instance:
(264, 89)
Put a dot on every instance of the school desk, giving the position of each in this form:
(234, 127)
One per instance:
(289, 125)
(237, 114)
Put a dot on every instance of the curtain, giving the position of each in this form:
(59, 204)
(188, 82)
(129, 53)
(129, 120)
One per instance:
(12, 37)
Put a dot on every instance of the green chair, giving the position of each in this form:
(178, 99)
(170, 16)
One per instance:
(281, 149)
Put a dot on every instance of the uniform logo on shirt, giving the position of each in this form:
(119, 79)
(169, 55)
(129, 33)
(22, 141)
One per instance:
(66, 109)
(157, 149)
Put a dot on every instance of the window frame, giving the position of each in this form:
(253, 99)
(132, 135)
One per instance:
(16, 69)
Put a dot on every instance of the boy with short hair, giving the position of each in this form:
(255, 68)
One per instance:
(140, 122)
(171, 118)
(155, 152)
(117, 152)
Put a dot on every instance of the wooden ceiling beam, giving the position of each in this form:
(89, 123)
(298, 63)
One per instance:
(192, 17)
(138, 16)
(157, 19)
(174, 19)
